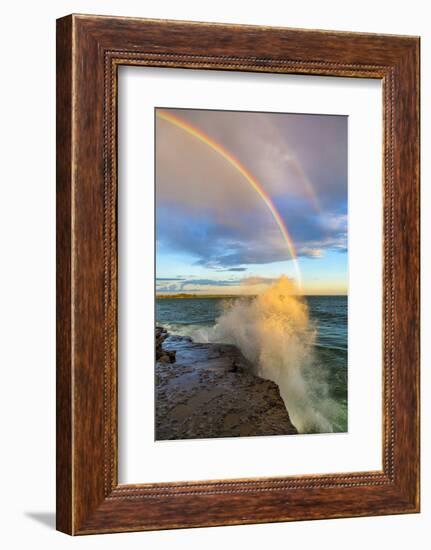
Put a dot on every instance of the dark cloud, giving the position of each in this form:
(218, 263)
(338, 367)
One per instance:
(195, 284)
(167, 288)
(169, 278)
(208, 211)
(219, 247)
(209, 282)
(190, 285)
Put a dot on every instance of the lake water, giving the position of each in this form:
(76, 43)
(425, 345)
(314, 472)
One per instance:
(194, 317)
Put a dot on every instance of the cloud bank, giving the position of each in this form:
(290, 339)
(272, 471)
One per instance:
(209, 213)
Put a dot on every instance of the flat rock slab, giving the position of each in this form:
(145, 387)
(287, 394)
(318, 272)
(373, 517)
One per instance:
(211, 391)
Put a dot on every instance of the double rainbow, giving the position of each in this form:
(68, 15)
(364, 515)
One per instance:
(255, 184)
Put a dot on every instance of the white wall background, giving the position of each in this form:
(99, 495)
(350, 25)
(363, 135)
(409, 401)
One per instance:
(27, 289)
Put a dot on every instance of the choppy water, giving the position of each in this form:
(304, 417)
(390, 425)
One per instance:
(194, 316)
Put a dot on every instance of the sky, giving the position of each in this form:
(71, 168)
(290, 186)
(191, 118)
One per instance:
(234, 189)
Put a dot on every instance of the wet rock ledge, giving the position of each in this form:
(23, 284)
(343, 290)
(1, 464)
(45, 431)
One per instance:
(163, 355)
(209, 390)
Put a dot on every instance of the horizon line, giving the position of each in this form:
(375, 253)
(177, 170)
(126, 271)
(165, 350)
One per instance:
(221, 295)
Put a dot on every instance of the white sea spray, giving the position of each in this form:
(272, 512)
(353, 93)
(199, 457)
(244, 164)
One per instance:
(274, 332)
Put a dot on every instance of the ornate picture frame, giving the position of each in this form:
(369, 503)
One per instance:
(89, 51)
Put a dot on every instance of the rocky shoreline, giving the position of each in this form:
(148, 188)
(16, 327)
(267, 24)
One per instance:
(163, 355)
(209, 390)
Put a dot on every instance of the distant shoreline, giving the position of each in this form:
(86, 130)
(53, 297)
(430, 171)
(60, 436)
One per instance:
(205, 296)
(227, 296)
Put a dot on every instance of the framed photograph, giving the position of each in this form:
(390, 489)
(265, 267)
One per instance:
(237, 274)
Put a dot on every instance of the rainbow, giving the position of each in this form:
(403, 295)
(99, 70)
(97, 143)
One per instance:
(201, 136)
